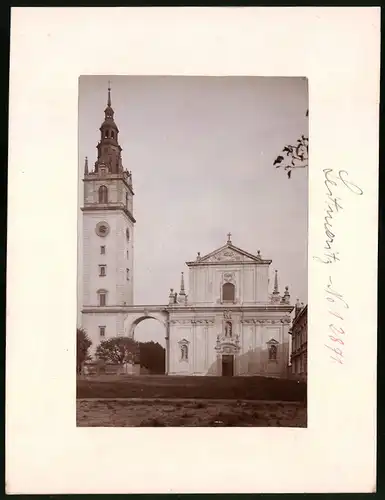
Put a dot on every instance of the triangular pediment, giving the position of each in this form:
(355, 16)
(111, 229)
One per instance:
(272, 342)
(229, 253)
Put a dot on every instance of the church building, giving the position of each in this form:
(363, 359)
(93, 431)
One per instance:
(226, 323)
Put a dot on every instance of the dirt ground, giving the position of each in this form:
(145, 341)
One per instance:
(188, 413)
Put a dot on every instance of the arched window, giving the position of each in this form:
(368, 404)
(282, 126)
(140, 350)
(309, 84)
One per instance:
(273, 352)
(228, 292)
(106, 134)
(103, 194)
(102, 298)
(112, 134)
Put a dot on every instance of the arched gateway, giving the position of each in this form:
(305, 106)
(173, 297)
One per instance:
(136, 314)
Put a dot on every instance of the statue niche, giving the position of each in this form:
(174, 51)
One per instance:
(228, 329)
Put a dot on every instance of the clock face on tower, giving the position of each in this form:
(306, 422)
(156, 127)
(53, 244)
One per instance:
(102, 229)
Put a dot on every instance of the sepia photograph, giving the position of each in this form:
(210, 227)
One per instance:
(192, 251)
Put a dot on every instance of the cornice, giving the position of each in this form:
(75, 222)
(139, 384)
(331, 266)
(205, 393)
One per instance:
(148, 309)
(109, 177)
(234, 308)
(205, 259)
(193, 321)
(267, 321)
(220, 263)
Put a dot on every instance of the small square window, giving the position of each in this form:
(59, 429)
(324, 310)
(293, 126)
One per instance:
(102, 270)
(102, 250)
(102, 331)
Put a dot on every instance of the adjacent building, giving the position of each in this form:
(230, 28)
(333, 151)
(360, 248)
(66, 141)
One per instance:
(298, 333)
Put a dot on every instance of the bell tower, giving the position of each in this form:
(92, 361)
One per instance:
(108, 233)
(109, 151)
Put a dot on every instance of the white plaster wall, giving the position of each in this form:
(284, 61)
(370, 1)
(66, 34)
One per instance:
(251, 283)
(119, 289)
(91, 190)
(262, 283)
(176, 366)
(112, 321)
(253, 356)
(248, 293)
(211, 365)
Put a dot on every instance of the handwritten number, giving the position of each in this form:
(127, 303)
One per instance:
(335, 339)
(337, 350)
(337, 316)
(337, 331)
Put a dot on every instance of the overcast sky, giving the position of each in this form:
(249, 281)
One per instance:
(201, 151)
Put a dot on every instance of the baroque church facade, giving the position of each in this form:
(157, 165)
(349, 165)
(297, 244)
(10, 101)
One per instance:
(227, 323)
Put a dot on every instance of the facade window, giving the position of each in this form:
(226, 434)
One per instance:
(102, 297)
(103, 194)
(112, 134)
(102, 250)
(106, 134)
(102, 332)
(184, 352)
(127, 274)
(127, 254)
(273, 353)
(102, 270)
(228, 292)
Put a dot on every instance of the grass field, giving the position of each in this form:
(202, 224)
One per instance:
(161, 386)
(188, 413)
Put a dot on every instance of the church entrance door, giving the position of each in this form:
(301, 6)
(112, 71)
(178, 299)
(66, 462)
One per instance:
(227, 365)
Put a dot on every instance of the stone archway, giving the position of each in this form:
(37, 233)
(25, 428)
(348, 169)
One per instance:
(138, 315)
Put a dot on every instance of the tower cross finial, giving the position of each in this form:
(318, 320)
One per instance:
(109, 94)
(228, 237)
